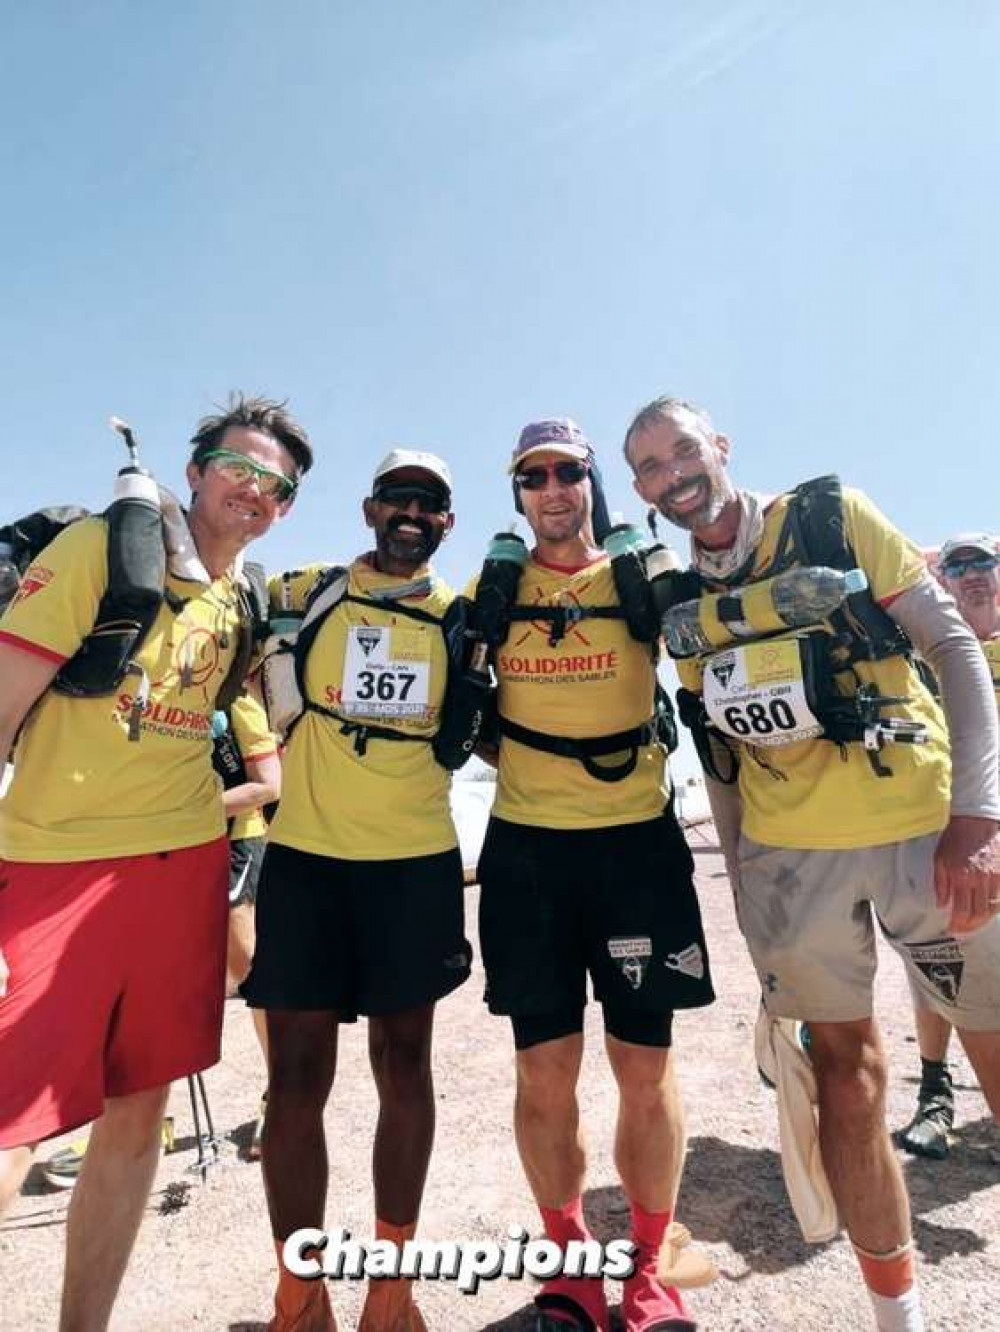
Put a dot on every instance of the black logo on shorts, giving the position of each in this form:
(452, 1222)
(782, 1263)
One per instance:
(722, 669)
(943, 964)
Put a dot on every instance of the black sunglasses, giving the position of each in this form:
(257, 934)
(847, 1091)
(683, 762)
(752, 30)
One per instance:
(536, 478)
(980, 563)
(430, 499)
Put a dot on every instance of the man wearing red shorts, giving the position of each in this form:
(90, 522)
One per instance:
(98, 1013)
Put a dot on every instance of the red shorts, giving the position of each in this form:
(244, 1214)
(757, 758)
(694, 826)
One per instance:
(117, 976)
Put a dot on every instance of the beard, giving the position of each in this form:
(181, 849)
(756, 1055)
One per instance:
(408, 547)
(562, 526)
(713, 496)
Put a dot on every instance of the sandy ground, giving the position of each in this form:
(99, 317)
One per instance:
(204, 1259)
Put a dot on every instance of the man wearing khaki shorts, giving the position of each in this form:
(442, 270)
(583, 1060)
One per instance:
(819, 834)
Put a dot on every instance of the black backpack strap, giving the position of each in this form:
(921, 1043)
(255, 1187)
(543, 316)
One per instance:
(321, 602)
(563, 618)
(251, 597)
(818, 528)
(587, 750)
(469, 691)
(710, 743)
(322, 591)
(362, 732)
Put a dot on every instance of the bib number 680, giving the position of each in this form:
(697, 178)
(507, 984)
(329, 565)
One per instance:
(759, 718)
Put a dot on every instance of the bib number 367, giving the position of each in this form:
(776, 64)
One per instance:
(384, 685)
(385, 673)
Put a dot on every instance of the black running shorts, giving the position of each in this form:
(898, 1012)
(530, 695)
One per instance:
(246, 855)
(357, 936)
(616, 902)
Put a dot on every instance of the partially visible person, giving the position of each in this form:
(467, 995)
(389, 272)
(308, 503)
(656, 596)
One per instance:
(113, 811)
(360, 908)
(968, 565)
(828, 818)
(247, 760)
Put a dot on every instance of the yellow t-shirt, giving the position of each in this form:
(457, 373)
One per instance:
(373, 664)
(815, 795)
(255, 740)
(81, 789)
(991, 648)
(596, 681)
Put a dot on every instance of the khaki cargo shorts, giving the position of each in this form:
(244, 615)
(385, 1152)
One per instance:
(808, 919)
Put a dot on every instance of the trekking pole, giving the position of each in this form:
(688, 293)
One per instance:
(208, 1146)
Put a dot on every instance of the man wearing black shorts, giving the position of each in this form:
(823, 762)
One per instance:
(360, 904)
(585, 870)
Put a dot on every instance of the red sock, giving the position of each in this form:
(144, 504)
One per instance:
(648, 1228)
(645, 1303)
(563, 1224)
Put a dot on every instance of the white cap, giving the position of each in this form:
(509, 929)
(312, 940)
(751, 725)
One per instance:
(979, 541)
(426, 462)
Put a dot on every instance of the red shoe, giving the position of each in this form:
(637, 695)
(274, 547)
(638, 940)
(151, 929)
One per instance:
(648, 1306)
(572, 1304)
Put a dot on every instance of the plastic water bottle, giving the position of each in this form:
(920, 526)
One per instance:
(642, 573)
(623, 538)
(787, 601)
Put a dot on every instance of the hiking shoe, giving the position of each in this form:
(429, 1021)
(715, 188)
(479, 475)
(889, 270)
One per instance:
(62, 1169)
(927, 1132)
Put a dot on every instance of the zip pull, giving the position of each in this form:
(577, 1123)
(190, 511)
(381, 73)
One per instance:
(139, 703)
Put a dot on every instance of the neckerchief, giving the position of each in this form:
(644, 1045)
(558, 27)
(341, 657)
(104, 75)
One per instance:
(720, 566)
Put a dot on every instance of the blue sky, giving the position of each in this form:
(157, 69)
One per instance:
(427, 224)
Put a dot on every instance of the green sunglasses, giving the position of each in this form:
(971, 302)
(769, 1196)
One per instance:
(238, 468)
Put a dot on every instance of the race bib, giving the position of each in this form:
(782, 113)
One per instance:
(757, 693)
(386, 672)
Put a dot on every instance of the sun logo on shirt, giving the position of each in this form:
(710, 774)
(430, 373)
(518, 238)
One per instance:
(570, 600)
(193, 663)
